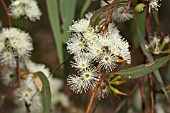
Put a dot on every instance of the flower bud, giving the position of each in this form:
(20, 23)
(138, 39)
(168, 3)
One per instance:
(139, 8)
(116, 91)
(117, 82)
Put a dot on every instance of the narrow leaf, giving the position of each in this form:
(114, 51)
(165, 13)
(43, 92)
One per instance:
(151, 59)
(105, 9)
(52, 7)
(168, 73)
(45, 93)
(141, 70)
(67, 9)
(85, 7)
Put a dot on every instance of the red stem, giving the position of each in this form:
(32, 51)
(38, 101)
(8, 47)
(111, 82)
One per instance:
(151, 92)
(18, 72)
(27, 106)
(107, 21)
(143, 94)
(128, 7)
(135, 19)
(7, 13)
(95, 90)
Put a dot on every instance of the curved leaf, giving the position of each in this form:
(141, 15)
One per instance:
(105, 9)
(143, 69)
(45, 92)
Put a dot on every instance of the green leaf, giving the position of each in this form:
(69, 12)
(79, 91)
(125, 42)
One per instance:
(151, 59)
(141, 70)
(85, 7)
(67, 9)
(168, 73)
(105, 9)
(52, 7)
(45, 92)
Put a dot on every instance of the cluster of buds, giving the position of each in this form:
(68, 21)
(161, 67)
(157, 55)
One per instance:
(158, 45)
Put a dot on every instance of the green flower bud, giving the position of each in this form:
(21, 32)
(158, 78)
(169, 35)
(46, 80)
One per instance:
(116, 91)
(139, 7)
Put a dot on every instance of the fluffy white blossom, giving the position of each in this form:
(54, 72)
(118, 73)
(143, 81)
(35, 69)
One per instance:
(80, 25)
(8, 76)
(108, 62)
(14, 43)
(27, 90)
(166, 39)
(81, 62)
(77, 45)
(119, 14)
(76, 83)
(154, 4)
(33, 68)
(90, 78)
(27, 8)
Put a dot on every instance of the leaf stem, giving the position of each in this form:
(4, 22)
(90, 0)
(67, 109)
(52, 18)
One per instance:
(7, 13)
(128, 7)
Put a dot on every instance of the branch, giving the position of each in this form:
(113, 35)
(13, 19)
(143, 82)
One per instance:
(27, 106)
(95, 90)
(143, 94)
(7, 13)
(18, 72)
(151, 92)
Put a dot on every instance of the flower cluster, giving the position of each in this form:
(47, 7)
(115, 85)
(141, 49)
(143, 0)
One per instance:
(15, 50)
(14, 43)
(92, 47)
(27, 8)
(158, 44)
(28, 89)
(154, 4)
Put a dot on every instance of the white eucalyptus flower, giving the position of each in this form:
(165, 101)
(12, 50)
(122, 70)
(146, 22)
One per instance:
(14, 43)
(108, 62)
(77, 45)
(76, 84)
(154, 4)
(27, 91)
(33, 67)
(81, 62)
(80, 25)
(119, 14)
(8, 77)
(27, 8)
(90, 77)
